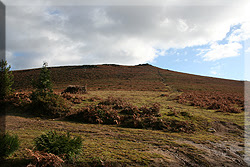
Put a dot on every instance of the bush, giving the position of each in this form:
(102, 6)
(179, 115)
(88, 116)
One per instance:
(99, 114)
(142, 122)
(179, 126)
(8, 145)
(49, 105)
(151, 111)
(158, 124)
(63, 145)
(116, 111)
(75, 99)
(130, 110)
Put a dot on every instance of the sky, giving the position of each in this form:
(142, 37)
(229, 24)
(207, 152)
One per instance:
(208, 38)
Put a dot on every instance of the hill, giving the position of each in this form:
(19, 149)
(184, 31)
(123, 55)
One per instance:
(134, 116)
(116, 77)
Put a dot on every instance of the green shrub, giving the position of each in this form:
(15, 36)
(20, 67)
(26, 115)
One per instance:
(43, 84)
(49, 105)
(8, 145)
(62, 145)
(6, 80)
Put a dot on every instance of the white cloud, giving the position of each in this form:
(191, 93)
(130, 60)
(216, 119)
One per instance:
(100, 19)
(164, 23)
(230, 49)
(65, 35)
(182, 25)
(220, 51)
(241, 34)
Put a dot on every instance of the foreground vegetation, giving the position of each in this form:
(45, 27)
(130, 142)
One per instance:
(114, 145)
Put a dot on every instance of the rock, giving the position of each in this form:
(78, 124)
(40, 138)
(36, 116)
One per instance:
(74, 89)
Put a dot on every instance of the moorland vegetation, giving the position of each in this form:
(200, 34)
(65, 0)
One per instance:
(130, 116)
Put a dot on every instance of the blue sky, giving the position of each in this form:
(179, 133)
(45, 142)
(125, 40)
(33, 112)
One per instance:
(189, 60)
(199, 37)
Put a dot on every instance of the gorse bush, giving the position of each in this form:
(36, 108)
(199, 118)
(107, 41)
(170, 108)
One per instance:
(8, 144)
(63, 145)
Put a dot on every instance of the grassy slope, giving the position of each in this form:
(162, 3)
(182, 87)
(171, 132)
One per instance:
(139, 85)
(115, 145)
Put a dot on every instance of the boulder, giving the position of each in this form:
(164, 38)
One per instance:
(75, 89)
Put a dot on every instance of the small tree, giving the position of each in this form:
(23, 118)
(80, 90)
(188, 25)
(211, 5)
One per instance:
(44, 102)
(43, 85)
(6, 79)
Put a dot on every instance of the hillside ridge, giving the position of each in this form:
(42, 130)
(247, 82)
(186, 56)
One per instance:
(120, 77)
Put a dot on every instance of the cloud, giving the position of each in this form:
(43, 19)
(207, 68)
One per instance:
(100, 19)
(241, 34)
(218, 51)
(90, 34)
(231, 48)
(182, 25)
